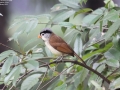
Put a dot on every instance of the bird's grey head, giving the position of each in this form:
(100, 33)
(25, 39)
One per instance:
(45, 34)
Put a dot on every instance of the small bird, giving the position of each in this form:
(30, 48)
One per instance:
(56, 44)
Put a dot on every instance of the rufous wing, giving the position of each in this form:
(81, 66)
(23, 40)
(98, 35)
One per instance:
(59, 44)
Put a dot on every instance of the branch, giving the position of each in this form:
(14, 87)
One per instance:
(42, 80)
(68, 60)
(81, 25)
(112, 72)
(10, 48)
(54, 78)
(81, 64)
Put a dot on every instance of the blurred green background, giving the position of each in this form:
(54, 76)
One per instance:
(17, 8)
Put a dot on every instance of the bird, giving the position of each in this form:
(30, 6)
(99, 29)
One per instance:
(56, 44)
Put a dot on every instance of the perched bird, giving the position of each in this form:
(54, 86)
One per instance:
(56, 44)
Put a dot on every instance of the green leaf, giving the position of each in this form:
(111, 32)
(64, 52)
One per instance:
(99, 51)
(113, 16)
(94, 16)
(101, 68)
(116, 41)
(109, 4)
(83, 75)
(113, 28)
(62, 16)
(66, 24)
(30, 81)
(52, 86)
(32, 64)
(6, 54)
(78, 45)
(80, 77)
(98, 87)
(12, 74)
(30, 41)
(70, 3)
(71, 87)
(113, 53)
(6, 66)
(15, 36)
(44, 15)
(36, 56)
(16, 75)
(113, 63)
(61, 87)
(31, 25)
(58, 7)
(115, 84)
(84, 10)
(15, 23)
(76, 79)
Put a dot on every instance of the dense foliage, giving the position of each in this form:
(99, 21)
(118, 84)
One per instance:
(96, 40)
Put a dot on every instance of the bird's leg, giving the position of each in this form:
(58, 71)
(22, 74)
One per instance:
(61, 58)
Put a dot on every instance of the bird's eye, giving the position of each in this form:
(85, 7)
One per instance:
(42, 34)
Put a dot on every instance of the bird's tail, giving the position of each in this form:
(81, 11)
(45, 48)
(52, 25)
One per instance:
(79, 58)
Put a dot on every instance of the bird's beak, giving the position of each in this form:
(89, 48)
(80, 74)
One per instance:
(39, 36)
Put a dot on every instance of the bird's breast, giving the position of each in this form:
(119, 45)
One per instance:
(53, 50)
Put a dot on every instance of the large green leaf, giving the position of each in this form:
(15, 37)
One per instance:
(6, 66)
(32, 64)
(62, 16)
(31, 25)
(6, 54)
(61, 87)
(66, 24)
(113, 63)
(115, 84)
(78, 45)
(94, 16)
(15, 36)
(83, 75)
(71, 87)
(71, 3)
(30, 81)
(113, 28)
(113, 15)
(12, 75)
(97, 86)
(52, 86)
(113, 53)
(30, 41)
(99, 51)
(80, 77)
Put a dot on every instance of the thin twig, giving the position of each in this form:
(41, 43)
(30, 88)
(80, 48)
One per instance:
(20, 79)
(54, 78)
(24, 75)
(110, 75)
(10, 48)
(112, 72)
(42, 80)
(87, 26)
(4, 87)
